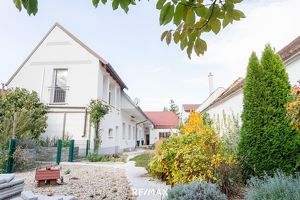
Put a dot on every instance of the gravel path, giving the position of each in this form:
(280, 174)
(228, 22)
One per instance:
(86, 181)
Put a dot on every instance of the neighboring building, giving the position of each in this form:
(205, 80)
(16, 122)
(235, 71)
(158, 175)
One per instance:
(230, 102)
(165, 124)
(67, 74)
(186, 109)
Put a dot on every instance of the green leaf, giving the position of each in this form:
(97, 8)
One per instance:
(226, 20)
(215, 25)
(115, 4)
(160, 4)
(201, 11)
(18, 4)
(178, 15)
(237, 14)
(166, 14)
(176, 37)
(169, 37)
(163, 35)
(124, 5)
(96, 3)
(190, 17)
(104, 1)
(32, 7)
(183, 42)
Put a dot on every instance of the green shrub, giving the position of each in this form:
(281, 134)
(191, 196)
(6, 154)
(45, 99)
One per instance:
(143, 160)
(195, 155)
(31, 114)
(94, 157)
(3, 158)
(267, 140)
(278, 187)
(196, 190)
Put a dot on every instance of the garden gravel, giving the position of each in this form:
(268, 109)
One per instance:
(85, 182)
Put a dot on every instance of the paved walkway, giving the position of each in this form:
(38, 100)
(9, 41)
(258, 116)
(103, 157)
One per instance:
(144, 187)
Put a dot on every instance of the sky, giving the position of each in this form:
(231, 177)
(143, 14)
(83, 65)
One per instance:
(153, 71)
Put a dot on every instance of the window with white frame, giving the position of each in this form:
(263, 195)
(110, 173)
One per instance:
(59, 87)
(105, 91)
(111, 95)
(123, 130)
(129, 131)
(110, 133)
(118, 98)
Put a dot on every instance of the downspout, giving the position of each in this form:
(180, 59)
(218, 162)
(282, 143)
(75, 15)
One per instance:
(84, 125)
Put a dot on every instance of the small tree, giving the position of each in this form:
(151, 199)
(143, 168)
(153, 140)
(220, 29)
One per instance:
(173, 107)
(267, 141)
(97, 112)
(31, 114)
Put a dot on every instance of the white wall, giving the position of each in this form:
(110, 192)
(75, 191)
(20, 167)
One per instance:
(59, 51)
(293, 69)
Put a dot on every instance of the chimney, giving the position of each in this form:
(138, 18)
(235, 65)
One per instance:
(210, 83)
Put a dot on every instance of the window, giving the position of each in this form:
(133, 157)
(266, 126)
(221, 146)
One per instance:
(129, 132)
(59, 89)
(134, 133)
(123, 130)
(111, 95)
(105, 87)
(110, 133)
(118, 98)
(164, 134)
(140, 134)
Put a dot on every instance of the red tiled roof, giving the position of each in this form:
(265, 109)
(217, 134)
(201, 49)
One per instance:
(163, 119)
(235, 86)
(190, 107)
(290, 50)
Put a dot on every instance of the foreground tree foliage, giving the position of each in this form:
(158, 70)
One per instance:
(30, 113)
(191, 18)
(267, 140)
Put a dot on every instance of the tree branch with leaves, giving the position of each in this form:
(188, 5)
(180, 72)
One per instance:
(191, 18)
(97, 110)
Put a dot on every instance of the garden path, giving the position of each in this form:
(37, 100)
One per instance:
(143, 186)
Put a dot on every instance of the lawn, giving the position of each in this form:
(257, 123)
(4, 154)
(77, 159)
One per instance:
(143, 159)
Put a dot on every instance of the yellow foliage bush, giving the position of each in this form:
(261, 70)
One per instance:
(196, 154)
(294, 108)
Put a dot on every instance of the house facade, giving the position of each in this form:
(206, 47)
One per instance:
(230, 102)
(67, 75)
(165, 124)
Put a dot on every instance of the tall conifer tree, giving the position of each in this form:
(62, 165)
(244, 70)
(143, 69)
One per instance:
(267, 140)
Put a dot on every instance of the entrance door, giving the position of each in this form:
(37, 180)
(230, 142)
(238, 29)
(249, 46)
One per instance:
(147, 139)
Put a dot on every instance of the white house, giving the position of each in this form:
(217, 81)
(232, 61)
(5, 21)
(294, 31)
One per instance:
(67, 74)
(230, 102)
(165, 124)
